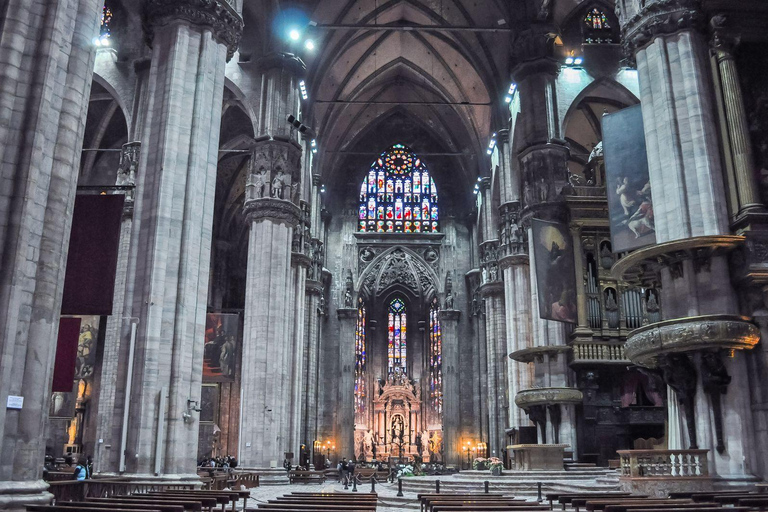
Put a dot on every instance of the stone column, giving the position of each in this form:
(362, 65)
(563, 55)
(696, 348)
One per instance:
(679, 118)
(110, 377)
(496, 371)
(269, 407)
(582, 330)
(314, 315)
(740, 145)
(345, 404)
(46, 67)
(449, 319)
(171, 246)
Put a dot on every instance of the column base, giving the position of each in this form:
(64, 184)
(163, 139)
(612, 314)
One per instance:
(14, 496)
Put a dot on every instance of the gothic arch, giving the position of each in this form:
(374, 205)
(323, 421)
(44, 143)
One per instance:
(398, 267)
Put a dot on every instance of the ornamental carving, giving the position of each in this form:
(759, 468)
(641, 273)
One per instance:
(225, 23)
(548, 396)
(274, 171)
(402, 267)
(659, 18)
(644, 346)
(273, 209)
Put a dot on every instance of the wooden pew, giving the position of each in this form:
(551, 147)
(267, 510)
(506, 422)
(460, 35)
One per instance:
(591, 505)
(137, 504)
(234, 495)
(424, 498)
(71, 508)
(343, 502)
(195, 504)
(306, 476)
(489, 507)
(565, 498)
(458, 501)
(758, 502)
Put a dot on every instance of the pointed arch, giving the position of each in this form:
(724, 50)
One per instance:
(399, 267)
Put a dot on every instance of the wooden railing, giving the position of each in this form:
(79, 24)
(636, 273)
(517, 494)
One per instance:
(664, 463)
(78, 490)
(603, 352)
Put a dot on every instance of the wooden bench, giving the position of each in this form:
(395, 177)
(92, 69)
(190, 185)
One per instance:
(306, 476)
(425, 498)
(459, 501)
(247, 480)
(71, 508)
(489, 507)
(234, 495)
(343, 502)
(368, 473)
(759, 502)
(564, 498)
(591, 504)
(196, 504)
(136, 504)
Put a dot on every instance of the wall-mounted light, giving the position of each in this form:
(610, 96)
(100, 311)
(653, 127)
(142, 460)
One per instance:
(511, 93)
(313, 145)
(294, 34)
(309, 44)
(491, 144)
(303, 88)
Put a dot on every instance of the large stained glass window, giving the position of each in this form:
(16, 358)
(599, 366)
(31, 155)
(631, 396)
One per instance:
(435, 358)
(396, 335)
(398, 195)
(360, 360)
(598, 29)
(106, 23)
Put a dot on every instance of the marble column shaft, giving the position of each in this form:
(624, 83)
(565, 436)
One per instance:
(517, 300)
(681, 136)
(172, 243)
(345, 441)
(449, 320)
(496, 374)
(268, 349)
(46, 68)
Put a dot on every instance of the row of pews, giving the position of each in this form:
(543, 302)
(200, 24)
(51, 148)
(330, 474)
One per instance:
(707, 501)
(161, 501)
(710, 501)
(319, 501)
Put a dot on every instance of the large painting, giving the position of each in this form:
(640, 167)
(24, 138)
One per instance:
(555, 274)
(628, 185)
(221, 342)
(86, 347)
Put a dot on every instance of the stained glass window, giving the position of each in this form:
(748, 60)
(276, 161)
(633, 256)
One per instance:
(360, 360)
(106, 22)
(396, 335)
(598, 29)
(398, 195)
(435, 358)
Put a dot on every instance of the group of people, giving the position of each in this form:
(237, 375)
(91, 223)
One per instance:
(225, 462)
(82, 469)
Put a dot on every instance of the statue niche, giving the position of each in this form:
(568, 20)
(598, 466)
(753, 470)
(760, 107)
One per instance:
(274, 171)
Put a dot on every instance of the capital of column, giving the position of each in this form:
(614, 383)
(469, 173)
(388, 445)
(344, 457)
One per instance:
(659, 18)
(282, 60)
(533, 52)
(216, 15)
(276, 210)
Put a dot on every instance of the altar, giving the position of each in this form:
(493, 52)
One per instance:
(396, 422)
(529, 457)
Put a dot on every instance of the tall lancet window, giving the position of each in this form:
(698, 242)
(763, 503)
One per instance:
(597, 29)
(106, 24)
(435, 358)
(360, 360)
(396, 333)
(398, 195)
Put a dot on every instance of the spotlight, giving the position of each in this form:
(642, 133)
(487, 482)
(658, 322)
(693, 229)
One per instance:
(303, 88)
(479, 179)
(569, 61)
(309, 45)
(313, 144)
(508, 99)
(578, 61)
(294, 34)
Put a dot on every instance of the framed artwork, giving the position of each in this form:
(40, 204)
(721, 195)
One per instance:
(220, 355)
(630, 205)
(555, 274)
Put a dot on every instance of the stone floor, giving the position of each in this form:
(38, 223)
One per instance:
(388, 500)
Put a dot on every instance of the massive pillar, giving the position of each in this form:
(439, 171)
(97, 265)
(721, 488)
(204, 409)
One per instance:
(269, 407)
(542, 160)
(449, 319)
(688, 188)
(171, 246)
(46, 66)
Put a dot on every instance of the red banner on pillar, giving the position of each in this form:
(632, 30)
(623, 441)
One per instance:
(66, 354)
(89, 283)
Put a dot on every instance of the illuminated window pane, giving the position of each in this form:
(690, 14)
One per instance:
(396, 336)
(399, 190)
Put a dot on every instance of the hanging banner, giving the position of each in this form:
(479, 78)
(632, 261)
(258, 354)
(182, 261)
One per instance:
(555, 274)
(630, 206)
(89, 282)
(66, 354)
(221, 346)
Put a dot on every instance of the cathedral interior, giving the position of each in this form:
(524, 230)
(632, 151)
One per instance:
(381, 230)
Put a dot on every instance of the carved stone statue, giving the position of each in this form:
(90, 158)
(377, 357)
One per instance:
(296, 242)
(259, 182)
(430, 256)
(425, 444)
(449, 300)
(367, 444)
(494, 272)
(348, 302)
(278, 184)
(485, 275)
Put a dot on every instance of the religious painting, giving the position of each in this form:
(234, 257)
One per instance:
(555, 274)
(209, 402)
(221, 342)
(63, 403)
(630, 205)
(86, 347)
